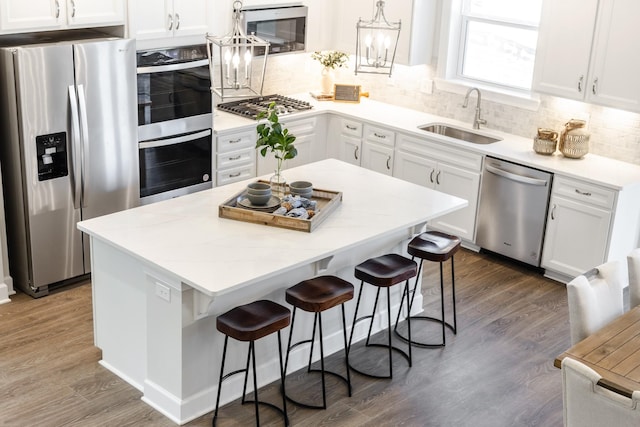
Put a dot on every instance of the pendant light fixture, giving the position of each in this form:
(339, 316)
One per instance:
(237, 61)
(376, 43)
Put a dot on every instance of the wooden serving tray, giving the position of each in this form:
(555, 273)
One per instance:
(326, 202)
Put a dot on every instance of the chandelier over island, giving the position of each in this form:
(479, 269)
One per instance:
(376, 43)
(236, 70)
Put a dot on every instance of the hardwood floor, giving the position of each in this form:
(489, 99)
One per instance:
(497, 371)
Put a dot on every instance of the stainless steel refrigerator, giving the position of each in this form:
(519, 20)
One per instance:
(68, 152)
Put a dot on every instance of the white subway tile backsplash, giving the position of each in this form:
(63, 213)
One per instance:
(614, 133)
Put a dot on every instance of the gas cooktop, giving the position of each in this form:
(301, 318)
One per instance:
(251, 107)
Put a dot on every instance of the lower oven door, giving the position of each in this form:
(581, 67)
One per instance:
(174, 166)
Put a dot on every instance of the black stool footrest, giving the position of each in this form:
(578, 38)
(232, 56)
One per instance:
(423, 344)
(385, 346)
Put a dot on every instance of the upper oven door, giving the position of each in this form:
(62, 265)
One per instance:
(172, 95)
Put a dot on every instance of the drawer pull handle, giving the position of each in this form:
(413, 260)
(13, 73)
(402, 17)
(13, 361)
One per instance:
(73, 9)
(350, 127)
(438, 178)
(594, 88)
(355, 152)
(235, 141)
(177, 21)
(377, 135)
(238, 157)
(431, 175)
(388, 160)
(57, 9)
(553, 212)
(583, 193)
(170, 22)
(234, 175)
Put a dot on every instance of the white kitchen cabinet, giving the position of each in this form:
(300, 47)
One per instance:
(235, 156)
(417, 17)
(17, 16)
(452, 171)
(310, 136)
(578, 225)
(378, 146)
(347, 139)
(581, 52)
(154, 24)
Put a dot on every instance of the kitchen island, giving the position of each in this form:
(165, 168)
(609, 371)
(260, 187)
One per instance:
(161, 273)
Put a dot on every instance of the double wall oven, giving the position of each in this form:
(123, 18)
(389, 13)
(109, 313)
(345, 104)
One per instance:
(174, 122)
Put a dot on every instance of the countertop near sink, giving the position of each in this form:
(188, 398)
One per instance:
(593, 168)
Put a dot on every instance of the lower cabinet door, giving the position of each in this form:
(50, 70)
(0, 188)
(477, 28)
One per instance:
(576, 236)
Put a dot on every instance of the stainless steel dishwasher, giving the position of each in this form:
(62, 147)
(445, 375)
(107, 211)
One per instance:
(513, 210)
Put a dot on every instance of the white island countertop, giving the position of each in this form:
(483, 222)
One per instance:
(186, 238)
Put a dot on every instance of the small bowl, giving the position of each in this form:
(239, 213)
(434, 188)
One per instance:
(259, 189)
(259, 199)
(301, 188)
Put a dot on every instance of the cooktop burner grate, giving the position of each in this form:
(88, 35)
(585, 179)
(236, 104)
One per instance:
(251, 107)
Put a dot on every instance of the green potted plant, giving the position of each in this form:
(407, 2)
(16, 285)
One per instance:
(330, 60)
(272, 137)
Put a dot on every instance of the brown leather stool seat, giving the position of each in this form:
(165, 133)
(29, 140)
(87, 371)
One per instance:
(251, 322)
(437, 247)
(383, 272)
(315, 296)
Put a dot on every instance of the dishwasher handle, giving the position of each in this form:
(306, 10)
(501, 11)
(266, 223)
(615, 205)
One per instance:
(515, 177)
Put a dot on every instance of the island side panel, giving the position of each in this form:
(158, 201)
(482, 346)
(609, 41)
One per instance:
(120, 318)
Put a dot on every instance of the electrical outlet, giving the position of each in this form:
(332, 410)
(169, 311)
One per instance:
(163, 291)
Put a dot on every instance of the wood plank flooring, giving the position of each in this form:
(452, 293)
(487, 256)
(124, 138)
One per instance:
(497, 371)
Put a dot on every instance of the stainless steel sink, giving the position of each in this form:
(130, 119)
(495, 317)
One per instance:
(459, 133)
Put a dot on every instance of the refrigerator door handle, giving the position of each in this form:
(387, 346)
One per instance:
(76, 151)
(82, 104)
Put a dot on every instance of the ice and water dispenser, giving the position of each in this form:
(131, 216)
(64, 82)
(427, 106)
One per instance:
(52, 156)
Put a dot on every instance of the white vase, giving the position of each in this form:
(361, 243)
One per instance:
(327, 81)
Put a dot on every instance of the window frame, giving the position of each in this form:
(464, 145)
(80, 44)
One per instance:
(449, 67)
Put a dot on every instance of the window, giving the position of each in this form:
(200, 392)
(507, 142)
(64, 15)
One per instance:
(492, 43)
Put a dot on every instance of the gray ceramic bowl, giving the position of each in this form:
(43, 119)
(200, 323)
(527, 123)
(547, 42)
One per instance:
(259, 189)
(301, 188)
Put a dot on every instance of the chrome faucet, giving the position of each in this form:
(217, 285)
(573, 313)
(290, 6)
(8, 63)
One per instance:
(477, 121)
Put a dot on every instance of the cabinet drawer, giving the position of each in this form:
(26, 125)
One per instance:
(351, 128)
(584, 192)
(228, 176)
(300, 127)
(439, 152)
(379, 135)
(235, 158)
(236, 140)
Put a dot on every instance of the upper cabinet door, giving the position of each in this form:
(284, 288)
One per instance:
(190, 17)
(87, 13)
(18, 16)
(583, 52)
(149, 19)
(564, 47)
(615, 67)
(33, 15)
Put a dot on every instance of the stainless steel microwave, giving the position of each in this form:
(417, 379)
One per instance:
(284, 26)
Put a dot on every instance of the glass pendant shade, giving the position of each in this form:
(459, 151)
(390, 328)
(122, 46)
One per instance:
(236, 69)
(376, 43)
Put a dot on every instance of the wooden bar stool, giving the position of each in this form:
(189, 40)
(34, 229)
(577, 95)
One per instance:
(251, 322)
(438, 247)
(383, 272)
(315, 296)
